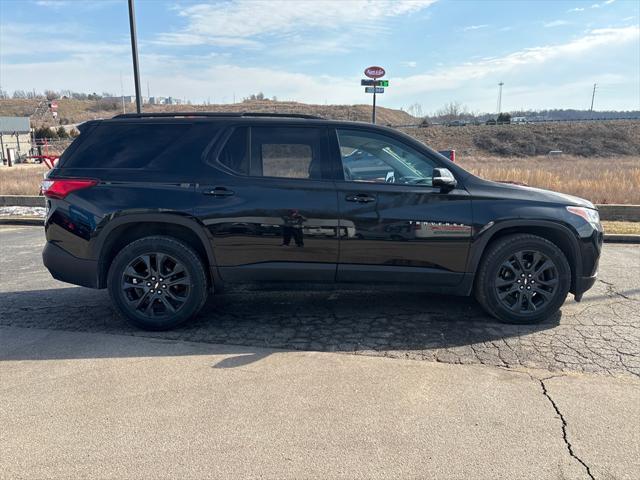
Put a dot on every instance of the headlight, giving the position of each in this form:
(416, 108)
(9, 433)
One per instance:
(590, 215)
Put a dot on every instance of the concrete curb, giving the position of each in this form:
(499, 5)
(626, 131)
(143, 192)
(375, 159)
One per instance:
(621, 238)
(39, 221)
(16, 220)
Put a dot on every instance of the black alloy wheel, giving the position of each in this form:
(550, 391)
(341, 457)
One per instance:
(157, 283)
(522, 278)
(526, 281)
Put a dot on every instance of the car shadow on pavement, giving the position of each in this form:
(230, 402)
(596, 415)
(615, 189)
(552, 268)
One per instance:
(395, 324)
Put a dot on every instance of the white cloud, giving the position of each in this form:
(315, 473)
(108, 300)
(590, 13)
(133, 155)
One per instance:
(577, 9)
(555, 23)
(53, 3)
(410, 64)
(247, 19)
(474, 27)
(201, 76)
(456, 76)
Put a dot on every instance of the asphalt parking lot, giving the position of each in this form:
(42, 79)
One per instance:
(601, 334)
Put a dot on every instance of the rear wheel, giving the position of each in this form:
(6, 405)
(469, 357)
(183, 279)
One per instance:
(523, 279)
(157, 283)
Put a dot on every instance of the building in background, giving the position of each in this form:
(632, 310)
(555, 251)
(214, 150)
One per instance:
(15, 138)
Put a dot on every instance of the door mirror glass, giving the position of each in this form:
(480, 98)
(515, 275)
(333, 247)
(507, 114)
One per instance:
(443, 178)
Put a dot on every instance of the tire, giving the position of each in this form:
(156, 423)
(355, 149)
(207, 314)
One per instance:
(157, 283)
(522, 279)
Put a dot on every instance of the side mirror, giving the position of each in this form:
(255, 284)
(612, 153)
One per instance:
(444, 179)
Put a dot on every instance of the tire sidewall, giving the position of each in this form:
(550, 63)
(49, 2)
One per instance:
(180, 252)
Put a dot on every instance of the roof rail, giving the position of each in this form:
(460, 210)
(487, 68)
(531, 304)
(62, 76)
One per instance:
(215, 114)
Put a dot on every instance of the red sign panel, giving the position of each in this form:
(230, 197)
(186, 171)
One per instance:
(374, 72)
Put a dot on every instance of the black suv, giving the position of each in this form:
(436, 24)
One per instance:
(163, 209)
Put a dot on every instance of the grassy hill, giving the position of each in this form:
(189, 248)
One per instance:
(582, 139)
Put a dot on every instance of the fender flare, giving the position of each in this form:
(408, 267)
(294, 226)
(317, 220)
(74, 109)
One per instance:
(480, 242)
(114, 221)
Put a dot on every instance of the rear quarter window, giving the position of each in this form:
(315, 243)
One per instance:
(136, 145)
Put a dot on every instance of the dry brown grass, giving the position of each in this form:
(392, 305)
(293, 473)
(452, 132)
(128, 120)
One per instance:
(627, 228)
(21, 179)
(600, 180)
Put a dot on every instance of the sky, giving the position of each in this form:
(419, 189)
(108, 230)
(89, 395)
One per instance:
(548, 53)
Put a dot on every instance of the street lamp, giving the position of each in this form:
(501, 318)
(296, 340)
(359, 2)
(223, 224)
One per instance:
(134, 53)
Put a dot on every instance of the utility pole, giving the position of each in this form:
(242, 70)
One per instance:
(134, 54)
(593, 96)
(500, 97)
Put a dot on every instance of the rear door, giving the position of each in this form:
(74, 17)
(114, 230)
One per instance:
(399, 228)
(270, 205)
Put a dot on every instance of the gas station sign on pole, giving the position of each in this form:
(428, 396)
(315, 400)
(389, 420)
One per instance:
(374, 85)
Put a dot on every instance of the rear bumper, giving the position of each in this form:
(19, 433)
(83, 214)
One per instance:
(65, 267)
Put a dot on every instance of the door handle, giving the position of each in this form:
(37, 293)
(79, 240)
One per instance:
(360, 198)
(218, 192)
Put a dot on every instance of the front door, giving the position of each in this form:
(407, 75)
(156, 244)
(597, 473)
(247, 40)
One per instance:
(400, 228)
(270, 205)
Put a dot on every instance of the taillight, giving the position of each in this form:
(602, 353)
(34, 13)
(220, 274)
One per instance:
(60, 188)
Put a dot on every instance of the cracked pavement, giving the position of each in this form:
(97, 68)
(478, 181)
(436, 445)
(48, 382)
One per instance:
(600, 335)
(248, 389)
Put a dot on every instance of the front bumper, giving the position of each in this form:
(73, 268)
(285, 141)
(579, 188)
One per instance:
(583, 284)
(65, 267)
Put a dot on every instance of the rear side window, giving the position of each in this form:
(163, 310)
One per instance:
(288, 152)
(139, 145)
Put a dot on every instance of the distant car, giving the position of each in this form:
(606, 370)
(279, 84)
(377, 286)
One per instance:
(491, 121)
(165, 209)
(456, 123)
(519, 120)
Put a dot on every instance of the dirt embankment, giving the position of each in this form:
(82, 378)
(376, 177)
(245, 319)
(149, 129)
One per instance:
(75, 111)
(583, 139)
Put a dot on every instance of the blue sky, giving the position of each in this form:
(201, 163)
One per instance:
(548, 53)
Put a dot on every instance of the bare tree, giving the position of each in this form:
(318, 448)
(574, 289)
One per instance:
(453, 110)
(415, 109)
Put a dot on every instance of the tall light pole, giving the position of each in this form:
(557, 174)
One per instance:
(593, 96)
(134, 53)
(500, 97)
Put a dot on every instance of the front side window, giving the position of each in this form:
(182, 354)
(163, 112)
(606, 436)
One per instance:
(235, 154)
(372, 157)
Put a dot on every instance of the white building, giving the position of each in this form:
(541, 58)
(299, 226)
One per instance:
(15, 135)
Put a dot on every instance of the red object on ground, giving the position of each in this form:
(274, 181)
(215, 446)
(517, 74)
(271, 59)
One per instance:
(49, 160)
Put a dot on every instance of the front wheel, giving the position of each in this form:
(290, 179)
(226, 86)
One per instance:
(157, 283)
(523, 279)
